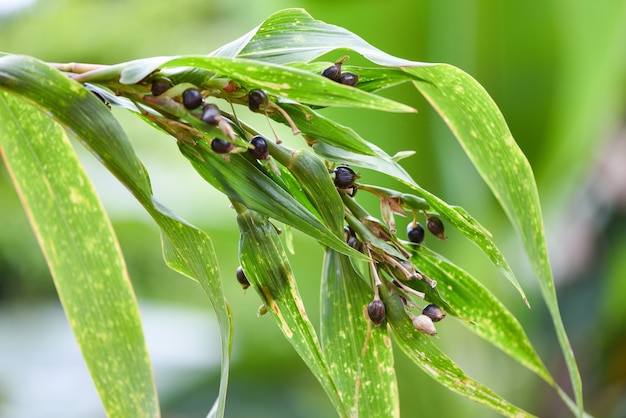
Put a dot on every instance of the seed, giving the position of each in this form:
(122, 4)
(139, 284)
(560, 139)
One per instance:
(333, 72)
(221, 146)
(257, 100)
(435, 226)
(210, 114)
(424, 324)
(376, 311)
(344, 177)
(242, 279)
(260, 150)
(192, 98)
(415, 232)
(434, 312)
(348, 78)
(160, 86)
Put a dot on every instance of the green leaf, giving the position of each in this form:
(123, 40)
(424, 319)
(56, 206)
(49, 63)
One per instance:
(359, 354)
(479, 309)
(244, 182)
(85, 116)
(83, 255)
(267, 268)
(426, 355)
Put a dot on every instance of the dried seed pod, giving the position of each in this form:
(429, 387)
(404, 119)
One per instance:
(434, 312)
(242, 279)
(192, 98)
(348, 78)
(424, 324)
(344, 177)
(211, 114)
(160, 86)
(435, 226)
(221, 146)
(415, 232)
(257, 100)
(260, 150)
(376, 311)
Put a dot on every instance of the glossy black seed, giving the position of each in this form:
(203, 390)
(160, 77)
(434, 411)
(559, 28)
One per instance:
(376, 311)
(354, 243)
(192, 98)
(415, 232)
(257, 100)
(210, 114)
(221, 146)
(434, 312)
(344, 177)
(160, 86)
(435, 226)
(348, 78)
(260, 151)
(333, 72)
(242, 279)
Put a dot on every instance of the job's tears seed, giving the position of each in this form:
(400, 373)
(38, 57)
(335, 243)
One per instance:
(160, 86)
(348, 78)
(434, 312)
(435, 226)
(415, 232)
(260, 150)
(221, 146)
(192, 98)
(424, 324)
(344, 177)
(257, 100)
(376, 311)
(210, 114)
(242, 279)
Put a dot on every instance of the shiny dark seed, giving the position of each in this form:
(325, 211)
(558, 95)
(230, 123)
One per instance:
(376, 311)
(333, 72)
(348, 78)
(434, 312)
(221, 146)
(192, 98)
(257, 100)
(344, 177)
(415, 232)
(242, 279)
(435, 226)
(210, 114)
(260, 151)
(160, 86)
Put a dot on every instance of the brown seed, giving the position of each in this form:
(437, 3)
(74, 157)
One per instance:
(348, 78)
(434, 312)
(435, 226)
(376, 311)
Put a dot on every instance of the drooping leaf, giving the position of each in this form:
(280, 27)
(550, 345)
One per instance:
(426, 355)
(359, 354)
(266, 266)
(83, 254)
(79, 111)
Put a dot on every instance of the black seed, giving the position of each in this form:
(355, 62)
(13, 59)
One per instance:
(260, 151)
(415, 232)
(435, 226)
(241, 278)
(221, 146)
(333, 72)
(160, 86)
(354, 243)
(348, 78)
(192, 98)
(344, 177)
(210, 114)
(434, 312)
(257, 100)
(376, 311)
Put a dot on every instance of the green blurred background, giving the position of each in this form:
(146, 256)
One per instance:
(557, 69)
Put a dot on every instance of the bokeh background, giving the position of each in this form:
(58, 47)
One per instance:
(556, 68)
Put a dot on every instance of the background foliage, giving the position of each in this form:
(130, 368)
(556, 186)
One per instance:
(556, 70)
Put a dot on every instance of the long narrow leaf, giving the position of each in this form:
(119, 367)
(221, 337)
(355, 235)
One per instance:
(83, 255)
(82, 113)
